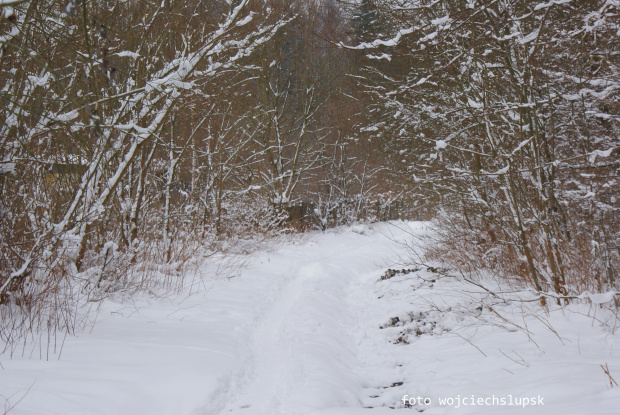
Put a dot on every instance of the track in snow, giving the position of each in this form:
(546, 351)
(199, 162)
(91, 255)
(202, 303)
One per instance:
(303, 348)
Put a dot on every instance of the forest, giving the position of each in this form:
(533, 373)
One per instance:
(139, 135)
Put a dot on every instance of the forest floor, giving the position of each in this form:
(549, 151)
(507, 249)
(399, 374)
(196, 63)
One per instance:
(308, 326)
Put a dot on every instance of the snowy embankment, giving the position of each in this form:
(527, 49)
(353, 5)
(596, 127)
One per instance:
(309, 327)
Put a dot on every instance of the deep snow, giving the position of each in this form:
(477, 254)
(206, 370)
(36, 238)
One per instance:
(308, 327)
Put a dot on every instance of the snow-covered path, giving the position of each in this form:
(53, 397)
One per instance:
(276, 339)
(303, 348)
(307, 328)
(303, 352)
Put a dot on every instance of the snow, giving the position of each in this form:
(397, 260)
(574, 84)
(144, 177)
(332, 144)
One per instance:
(551, 3)
(379, 42)
(8, 10)
(601, 298)
(317, 325)
(501, 171)
(7, 167)
(474, 104)
(245, 20)
(601, 153)
(71, 115)
(127, 53)
(441, 21)
(532, 36)
(39, 80)
(379, 57)
(422, 80)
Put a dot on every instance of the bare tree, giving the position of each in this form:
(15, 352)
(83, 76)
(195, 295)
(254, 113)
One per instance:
(88, 99)
(496, 118)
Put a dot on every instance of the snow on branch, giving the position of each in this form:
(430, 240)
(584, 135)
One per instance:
(379, 42)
